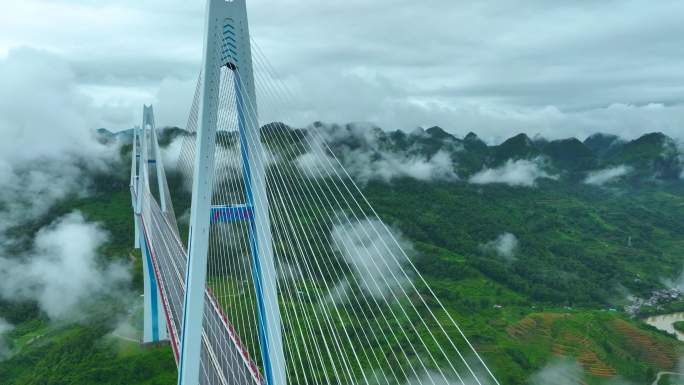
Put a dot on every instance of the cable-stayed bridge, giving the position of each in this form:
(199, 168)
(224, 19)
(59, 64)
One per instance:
(279, 271)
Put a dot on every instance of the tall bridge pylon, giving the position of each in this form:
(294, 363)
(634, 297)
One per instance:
(227, 44)
(144, 144)
(288, 276)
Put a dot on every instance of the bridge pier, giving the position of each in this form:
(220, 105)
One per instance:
(154, 325)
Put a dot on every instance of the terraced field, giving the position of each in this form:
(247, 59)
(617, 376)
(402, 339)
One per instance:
(604, 344)
(659, 353)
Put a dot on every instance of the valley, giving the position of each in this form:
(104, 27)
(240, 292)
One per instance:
(554, 289)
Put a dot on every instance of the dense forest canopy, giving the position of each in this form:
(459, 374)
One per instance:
(539, 246)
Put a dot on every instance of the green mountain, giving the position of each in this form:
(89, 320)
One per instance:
(581, 250)
(600, 144)
(570, 154)
(517, 147)
(653, 154)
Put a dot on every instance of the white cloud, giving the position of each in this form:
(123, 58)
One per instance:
(364, 166)
(6, 173)
(677, 283)
(47, 128)
(614, 74)
(173, 100)
(521, 172)
(30, 191)
(127, 327)
(559, 372)
(42, 112)
(47, 153)
(505, 245)
(179, 156)
(228, 162)
(230, 159)
(172, 153)
(680, 147)
(339, 293)
(370, 160)
(316, 165)
(535, 83)
(289, 272)
(5, 327)
(62, 271)
(433, 377)
(375, 258)
(607, 175)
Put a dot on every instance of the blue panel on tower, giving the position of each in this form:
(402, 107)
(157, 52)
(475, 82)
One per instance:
(231, 213)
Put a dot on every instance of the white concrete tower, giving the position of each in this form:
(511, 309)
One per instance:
(135, 159)
(154, 324)
(227, 44)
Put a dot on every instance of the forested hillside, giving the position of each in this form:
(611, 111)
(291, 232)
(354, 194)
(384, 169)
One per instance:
(536, 246)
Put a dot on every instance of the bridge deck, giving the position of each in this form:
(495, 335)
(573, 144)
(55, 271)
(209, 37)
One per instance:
(224, 360)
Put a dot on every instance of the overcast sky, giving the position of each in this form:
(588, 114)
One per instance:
(501, 67)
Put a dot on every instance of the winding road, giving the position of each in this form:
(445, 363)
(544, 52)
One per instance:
(661, 374)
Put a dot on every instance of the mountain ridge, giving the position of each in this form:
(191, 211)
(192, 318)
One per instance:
(652, 156)
(558, 293)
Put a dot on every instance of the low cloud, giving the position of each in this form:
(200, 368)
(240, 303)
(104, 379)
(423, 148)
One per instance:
(339, 293)
(505, 246)
(365, 153)
(607, 175)
(680, 147)
(229, 160)
(127, 327)
(466, 377)
(374, 255)
(562, 371)
(48, 145)
(5, 327)
(316, 165)
(171, 153)
(366, 166)
(521, 172)
(29, 190)
(435, 378)
(49, 154)
(424, 376)
(43, 114)
(289, 272)
(62, 271)
(179, 156)
(677, 283)
(366, 162)
(567, 371)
